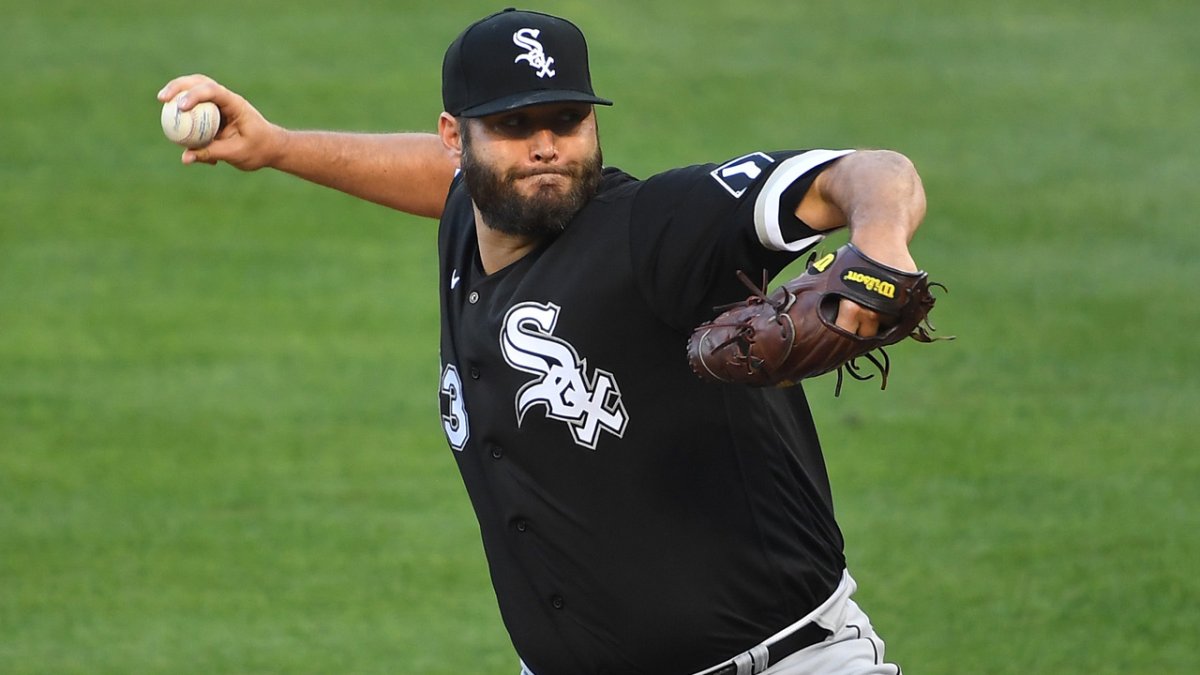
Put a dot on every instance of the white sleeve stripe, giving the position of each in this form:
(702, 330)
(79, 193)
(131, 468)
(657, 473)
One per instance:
(766, 209)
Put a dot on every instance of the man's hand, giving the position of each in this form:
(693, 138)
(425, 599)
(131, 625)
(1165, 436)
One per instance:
(246, 139)
(853, 317)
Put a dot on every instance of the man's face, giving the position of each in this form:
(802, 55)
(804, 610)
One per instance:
(530, 170)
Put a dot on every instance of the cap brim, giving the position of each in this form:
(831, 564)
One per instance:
(528, 98)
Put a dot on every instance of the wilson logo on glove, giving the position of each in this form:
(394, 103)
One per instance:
(870, 283)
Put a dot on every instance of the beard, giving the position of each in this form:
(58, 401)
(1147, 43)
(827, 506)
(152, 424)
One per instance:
(543, 214)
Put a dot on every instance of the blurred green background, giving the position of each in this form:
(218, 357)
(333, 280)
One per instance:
(219, 438)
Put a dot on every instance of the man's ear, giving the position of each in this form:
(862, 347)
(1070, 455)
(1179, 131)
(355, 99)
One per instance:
(450, 132)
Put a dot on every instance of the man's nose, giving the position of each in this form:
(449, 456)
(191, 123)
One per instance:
(543, 146)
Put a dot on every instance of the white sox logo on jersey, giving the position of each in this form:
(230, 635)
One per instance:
(589, 407)
(526, 38)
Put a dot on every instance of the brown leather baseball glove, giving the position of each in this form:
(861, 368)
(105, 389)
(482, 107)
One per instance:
(789, 335)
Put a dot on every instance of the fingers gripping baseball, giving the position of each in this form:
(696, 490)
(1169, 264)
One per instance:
(245, 140)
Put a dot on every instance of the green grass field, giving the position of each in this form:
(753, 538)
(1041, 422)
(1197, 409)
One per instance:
(219, 441)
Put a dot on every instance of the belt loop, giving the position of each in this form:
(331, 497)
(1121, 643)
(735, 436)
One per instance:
(744, 663)
(762, 658)
(752, 661)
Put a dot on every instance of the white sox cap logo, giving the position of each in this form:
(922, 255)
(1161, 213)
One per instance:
(526, 38)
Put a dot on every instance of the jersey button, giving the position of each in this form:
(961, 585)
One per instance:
(474, 373)
(522, 525)
(473, 297)
(557, 602)
(497, 452)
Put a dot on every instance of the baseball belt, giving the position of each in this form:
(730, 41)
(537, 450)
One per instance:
(756, 659)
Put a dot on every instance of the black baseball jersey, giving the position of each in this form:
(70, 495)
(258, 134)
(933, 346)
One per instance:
(636, 519)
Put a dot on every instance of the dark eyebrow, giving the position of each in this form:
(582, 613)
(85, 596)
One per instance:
(562, 119)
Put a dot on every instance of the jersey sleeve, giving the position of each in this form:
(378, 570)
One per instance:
(694, 228)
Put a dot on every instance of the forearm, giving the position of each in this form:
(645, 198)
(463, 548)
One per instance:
(879, 196)
(410, 172)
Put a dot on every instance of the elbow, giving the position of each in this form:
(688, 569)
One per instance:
(900, 175)
(916, 191)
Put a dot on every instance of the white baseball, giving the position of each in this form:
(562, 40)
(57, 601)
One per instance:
(193, 128)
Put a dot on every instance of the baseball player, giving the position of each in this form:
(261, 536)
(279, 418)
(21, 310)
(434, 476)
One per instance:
(635, 518)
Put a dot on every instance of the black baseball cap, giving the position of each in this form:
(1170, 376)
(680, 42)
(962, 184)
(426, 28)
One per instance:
(513, 59)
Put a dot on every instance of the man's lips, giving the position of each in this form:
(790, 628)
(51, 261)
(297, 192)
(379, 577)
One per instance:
(536, 173)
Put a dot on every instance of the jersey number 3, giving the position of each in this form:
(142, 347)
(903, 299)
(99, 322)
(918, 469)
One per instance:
(454, 409)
